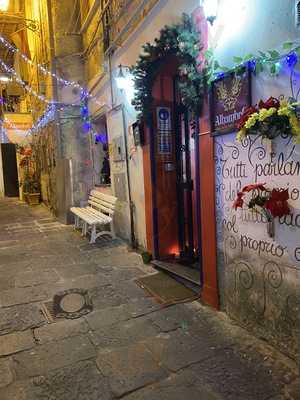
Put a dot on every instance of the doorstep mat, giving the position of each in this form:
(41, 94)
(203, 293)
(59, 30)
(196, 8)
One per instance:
(166, 289)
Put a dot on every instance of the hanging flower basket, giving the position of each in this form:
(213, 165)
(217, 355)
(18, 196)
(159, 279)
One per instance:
(270, 119)
(271, 203)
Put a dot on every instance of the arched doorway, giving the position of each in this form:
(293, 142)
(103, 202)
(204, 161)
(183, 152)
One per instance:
(170, 158)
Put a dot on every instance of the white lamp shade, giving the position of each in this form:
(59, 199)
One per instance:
(4, 4)
(210, 8)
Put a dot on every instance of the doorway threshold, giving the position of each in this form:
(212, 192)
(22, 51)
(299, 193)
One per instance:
(181, 271)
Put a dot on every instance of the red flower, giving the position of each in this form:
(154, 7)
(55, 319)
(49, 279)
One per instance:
(245, 116)
(255, 186)
(239, 201)
(271, 102)
(277, 203)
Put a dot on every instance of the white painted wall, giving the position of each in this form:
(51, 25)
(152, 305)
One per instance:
(164, 13)
(244, 26)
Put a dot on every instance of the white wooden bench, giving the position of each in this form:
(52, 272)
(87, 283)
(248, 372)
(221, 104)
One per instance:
(98, 213)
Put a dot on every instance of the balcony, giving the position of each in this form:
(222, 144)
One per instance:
(120, 18)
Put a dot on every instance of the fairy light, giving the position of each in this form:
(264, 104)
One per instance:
(24, 84)
(28, 88)
(46, 71)
(291, 59)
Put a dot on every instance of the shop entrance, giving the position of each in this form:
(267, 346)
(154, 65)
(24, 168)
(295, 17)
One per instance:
(173, 212)
(185, 186)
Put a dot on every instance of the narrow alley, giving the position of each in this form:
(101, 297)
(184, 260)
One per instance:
(129, 346)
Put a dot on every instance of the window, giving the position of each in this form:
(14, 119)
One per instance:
(298, 13)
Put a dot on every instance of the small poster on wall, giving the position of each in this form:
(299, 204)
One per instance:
(164, 128)
(230, 96)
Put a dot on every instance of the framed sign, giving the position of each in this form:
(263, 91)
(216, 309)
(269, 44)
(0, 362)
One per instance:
(230, 96)
(164, 130)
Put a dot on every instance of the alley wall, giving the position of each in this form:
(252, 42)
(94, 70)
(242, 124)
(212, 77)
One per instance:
(163, 13)
(259, 276)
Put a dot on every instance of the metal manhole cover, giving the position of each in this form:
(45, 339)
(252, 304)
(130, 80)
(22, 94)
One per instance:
(72, 304)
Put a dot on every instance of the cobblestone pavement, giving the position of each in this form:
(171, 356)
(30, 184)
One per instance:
(129, 347)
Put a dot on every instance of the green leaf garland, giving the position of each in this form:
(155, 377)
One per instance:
(183, 41)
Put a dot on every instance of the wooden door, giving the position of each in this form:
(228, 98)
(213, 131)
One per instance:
(10, 171)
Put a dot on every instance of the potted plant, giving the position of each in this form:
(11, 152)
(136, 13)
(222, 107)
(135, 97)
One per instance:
(34, 193)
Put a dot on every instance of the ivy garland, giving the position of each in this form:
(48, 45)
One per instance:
(183, 41)
(269, 61)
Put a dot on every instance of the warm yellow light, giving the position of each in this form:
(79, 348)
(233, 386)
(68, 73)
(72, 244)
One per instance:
(4, 5)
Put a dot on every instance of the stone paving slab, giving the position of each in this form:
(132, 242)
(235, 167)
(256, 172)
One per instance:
(25, 295)
(129, 368)
(16, 342)
(61, 330)
(124, 333)
(124, 274)
(107, 317)
(35, 278)
(6, 373)
(45, 358)
(20, 318)
(178, 350)
(138, 307)
(228, 373)
(81, 381)
(73, 271)
(106, 296)
(172, 318)
(176, 387)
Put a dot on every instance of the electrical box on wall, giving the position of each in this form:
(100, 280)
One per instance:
(118, 149)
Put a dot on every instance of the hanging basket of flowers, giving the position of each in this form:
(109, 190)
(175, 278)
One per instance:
(270, 119)
(271, 203)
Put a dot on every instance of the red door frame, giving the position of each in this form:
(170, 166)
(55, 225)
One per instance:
(209, 292)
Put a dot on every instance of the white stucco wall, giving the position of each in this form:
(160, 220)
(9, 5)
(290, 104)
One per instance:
(164, 13)
(259, 284)
(244, 26)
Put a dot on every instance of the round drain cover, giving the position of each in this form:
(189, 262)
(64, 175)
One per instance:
(72, 303)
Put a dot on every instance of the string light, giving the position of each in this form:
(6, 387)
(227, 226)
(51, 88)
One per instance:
(24, 84)
(46, 71)
(252, 65)
(28, 88)
(292, 59)
(276, 63)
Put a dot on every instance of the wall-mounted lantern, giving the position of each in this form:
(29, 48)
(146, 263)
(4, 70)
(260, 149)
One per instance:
(124, 80)
(210, 9)
(4, 4)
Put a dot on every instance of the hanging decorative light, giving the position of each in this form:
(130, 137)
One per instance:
(211, 10)
(4, 4)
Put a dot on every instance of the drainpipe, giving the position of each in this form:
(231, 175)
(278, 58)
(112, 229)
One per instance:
(54, 82)
(131, 204)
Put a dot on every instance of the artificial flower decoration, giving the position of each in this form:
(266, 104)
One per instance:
(269, 119)
(239, 201)
(272, 203)
(277, 204)
(255, 186)
(272, 102)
